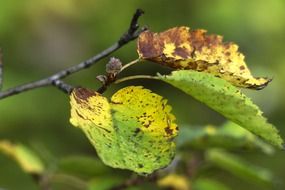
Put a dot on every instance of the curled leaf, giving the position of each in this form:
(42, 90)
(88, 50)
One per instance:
(226, 99)
(181, 48)
(134, 131)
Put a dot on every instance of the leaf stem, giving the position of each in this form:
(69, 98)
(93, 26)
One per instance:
(130, 64)
(135, 77)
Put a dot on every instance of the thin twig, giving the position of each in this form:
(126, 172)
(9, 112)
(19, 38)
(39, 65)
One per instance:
(133, 31)
(110, 78)
(132, 34)
(135, 77)
(63, 86)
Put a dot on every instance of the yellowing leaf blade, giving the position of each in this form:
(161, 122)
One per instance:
(134, 131)
(224, 98)
(174, 181)
(24, 156)
(181, 48)
(92, 113)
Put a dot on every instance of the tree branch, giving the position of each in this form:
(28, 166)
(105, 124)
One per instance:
(63, 86)
(54, 79)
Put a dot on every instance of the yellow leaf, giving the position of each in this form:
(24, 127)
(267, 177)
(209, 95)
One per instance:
(27, 159)
(180, 48)
(175, 182)
(135, 130)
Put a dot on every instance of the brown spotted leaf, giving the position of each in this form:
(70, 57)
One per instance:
(135, 130)
(226, 99)
(181, 48)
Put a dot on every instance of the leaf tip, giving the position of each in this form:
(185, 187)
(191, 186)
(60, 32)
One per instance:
(261, 86)
(182, 48)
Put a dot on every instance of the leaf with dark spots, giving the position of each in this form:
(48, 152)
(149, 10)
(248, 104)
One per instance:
(227, 100)
(137, 131)
(168, 130)
(123, 130)
(83, 94)
(181, 48)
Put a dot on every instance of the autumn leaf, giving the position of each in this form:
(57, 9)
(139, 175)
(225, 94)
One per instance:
(134, 131)
(181, 48)
(174, 182)
(226, 99)
(25, 157)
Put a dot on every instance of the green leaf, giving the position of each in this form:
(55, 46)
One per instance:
(115, 181)
(229, 136)
(25, 157)
(66, 181)
(226, 99)
(14, 177)
(208, 184)
(134, 131)
(82, 166)
(239, 167)
(104, 183)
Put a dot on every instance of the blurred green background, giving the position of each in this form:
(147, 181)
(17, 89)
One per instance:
(39, 38)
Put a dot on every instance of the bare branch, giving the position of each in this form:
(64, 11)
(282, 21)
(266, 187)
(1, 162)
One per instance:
(132, 32)
(63, 86)
(130, 35)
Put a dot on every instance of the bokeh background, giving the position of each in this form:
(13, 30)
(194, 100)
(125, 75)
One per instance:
(39, 38)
